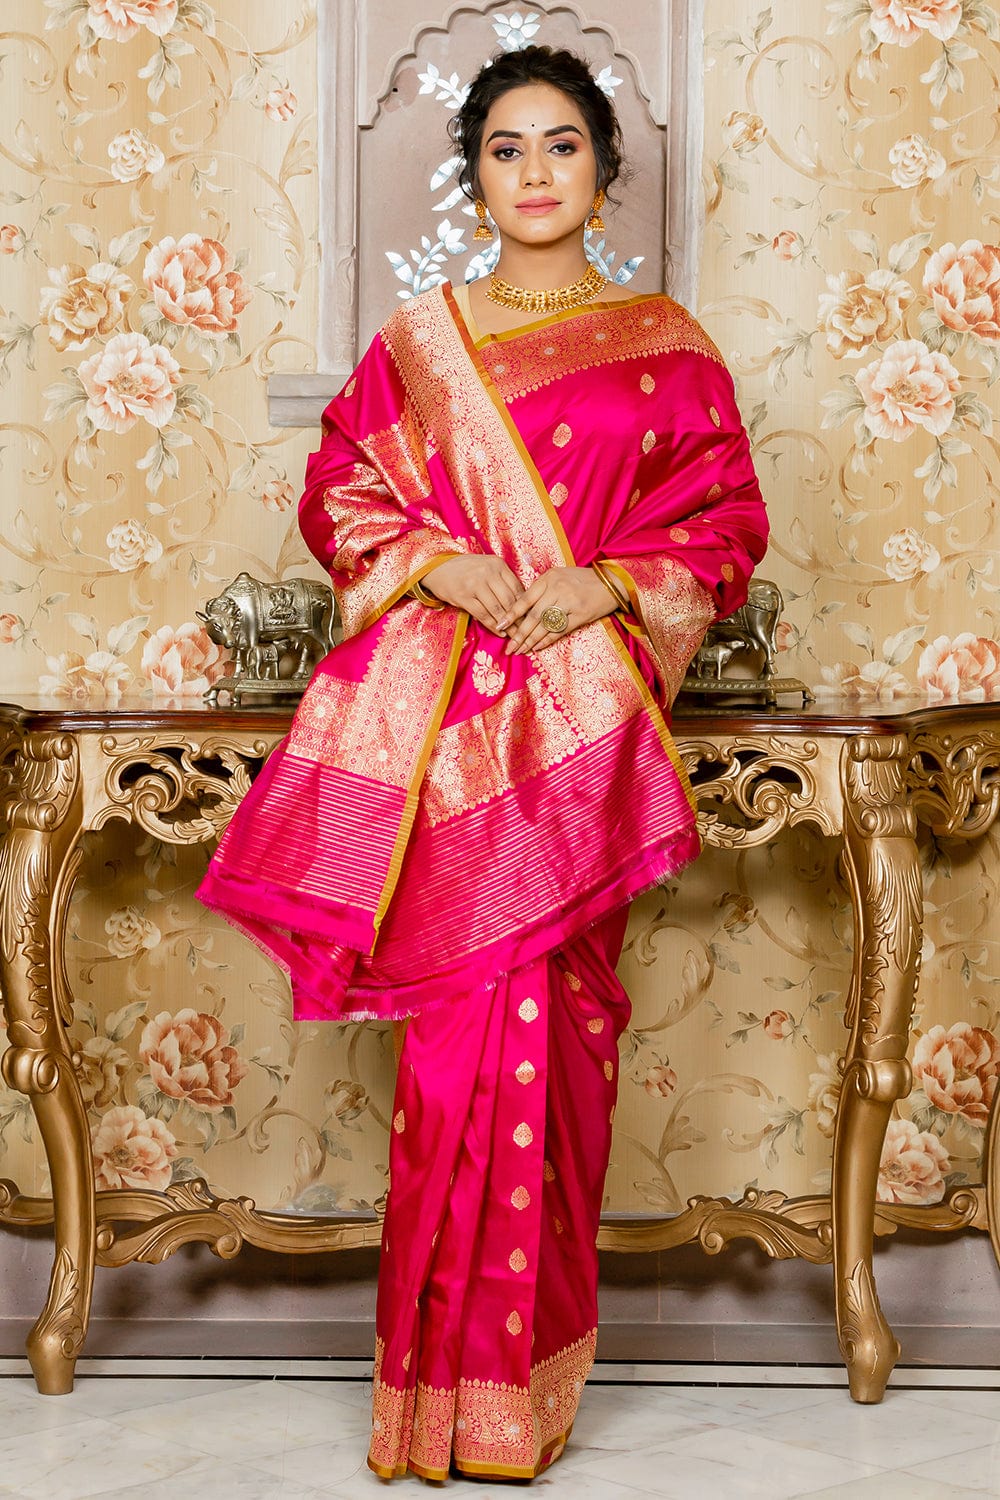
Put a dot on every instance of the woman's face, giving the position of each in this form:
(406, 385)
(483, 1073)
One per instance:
(537, 168)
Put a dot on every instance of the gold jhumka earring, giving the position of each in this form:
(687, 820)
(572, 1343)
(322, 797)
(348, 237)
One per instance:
(483, 230)
(595, 221)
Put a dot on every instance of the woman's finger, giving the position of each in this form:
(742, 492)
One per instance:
(536, 640)
(481, 611)
(528, 634)
(521, 606)
(499, 601)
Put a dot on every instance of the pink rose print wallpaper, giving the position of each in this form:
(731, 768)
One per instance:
(160, 253)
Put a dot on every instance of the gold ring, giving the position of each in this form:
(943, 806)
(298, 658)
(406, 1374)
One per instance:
(555, 619)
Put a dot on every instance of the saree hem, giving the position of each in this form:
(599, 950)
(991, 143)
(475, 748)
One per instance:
(551, 1451)
(661, 863)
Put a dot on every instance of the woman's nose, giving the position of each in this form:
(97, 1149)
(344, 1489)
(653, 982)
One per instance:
(535, 167)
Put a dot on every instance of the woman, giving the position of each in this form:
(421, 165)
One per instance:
(532, 497)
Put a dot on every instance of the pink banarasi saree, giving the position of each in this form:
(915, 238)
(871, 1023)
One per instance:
(452, 834)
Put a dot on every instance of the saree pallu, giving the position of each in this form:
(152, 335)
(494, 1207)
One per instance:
(608, 434)
(487, 1298)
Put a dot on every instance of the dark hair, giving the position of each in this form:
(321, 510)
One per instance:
(561, 69)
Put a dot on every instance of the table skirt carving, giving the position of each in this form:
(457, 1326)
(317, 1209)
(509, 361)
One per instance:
(863, 779)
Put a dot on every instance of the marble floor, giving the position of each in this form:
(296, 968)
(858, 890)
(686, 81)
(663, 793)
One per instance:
(266, 1430)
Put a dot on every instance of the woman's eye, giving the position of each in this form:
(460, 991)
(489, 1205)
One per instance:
(505, 153)
(565, 148)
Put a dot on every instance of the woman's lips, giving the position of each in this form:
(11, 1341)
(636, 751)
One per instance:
(540, 206)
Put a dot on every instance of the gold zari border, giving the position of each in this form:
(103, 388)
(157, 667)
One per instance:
(617, 331)
(484, 1426)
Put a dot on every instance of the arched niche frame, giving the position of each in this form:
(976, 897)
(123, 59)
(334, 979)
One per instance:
(383, 139)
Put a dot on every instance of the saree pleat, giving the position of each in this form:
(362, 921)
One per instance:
(487, 1311)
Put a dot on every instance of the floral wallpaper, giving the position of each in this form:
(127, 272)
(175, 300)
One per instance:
(159, 260)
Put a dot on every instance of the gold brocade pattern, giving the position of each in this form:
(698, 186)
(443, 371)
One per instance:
(455, 407)
(499, 485)
(528, 1010)
(675, 610)
(523, 1135)
(487, 1425)
(491, 752)
(366, 519)
(401, 452)
(635, 330)
(371, 726)
(520, 1198)
(579, 671)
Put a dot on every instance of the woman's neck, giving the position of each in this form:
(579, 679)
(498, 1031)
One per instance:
(543, 269)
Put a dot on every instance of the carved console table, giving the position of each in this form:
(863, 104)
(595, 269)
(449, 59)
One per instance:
(863, 778)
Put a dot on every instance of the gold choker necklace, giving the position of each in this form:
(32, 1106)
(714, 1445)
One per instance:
(559, 299)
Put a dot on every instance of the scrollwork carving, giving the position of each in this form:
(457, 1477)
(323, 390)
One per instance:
(880, 828)
(784, 1228)
(182, 791)
(149, 1226)
(30, 1070)
(770, 783)
(954, 780)
(866, 1341)
(61, 1325)
(41, 779)
(882, 1082)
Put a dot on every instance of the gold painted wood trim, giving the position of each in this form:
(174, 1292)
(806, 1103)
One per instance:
(180, 777)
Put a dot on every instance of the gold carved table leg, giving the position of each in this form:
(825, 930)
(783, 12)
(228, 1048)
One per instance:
(37, 864)
(883, 872)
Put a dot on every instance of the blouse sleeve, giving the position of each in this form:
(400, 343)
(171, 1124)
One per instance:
(367, 514)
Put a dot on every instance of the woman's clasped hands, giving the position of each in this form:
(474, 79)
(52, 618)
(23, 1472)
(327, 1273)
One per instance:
(485, 587)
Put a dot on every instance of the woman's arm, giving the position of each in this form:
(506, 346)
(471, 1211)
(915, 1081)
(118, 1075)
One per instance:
(366, 512)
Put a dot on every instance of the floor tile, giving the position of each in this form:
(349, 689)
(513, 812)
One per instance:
(89, 1458)
(900, 1484)
(617, 1419)
(896, 1434)
(254, 1420)
(323, 1466)
(714, 1462)
(732, 1404)
(556, 1484)
(977, 1469)
(982, 1403)
(222, 1480)
(295, 1438)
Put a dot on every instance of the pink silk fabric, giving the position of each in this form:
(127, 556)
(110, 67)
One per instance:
(487, 1298)
(441, 813)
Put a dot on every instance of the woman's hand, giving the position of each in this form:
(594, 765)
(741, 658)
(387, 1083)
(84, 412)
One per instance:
(577, 591)
(477, 582)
